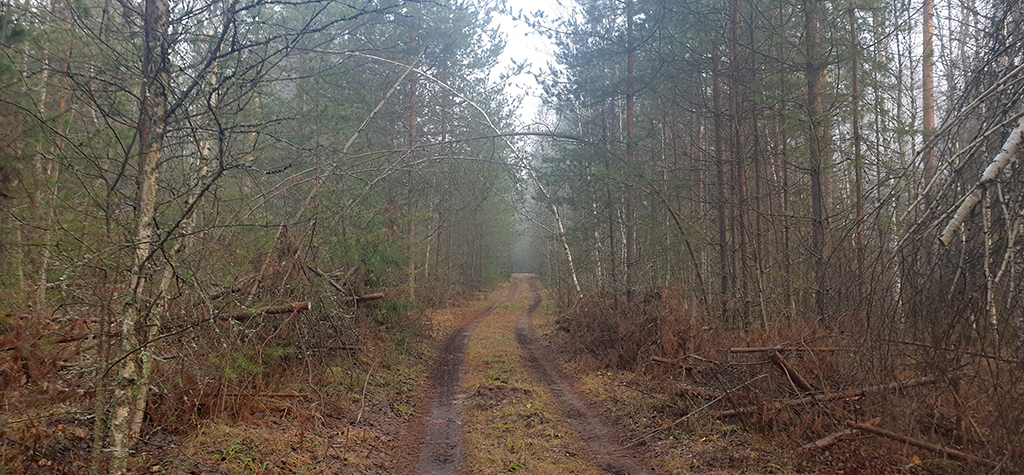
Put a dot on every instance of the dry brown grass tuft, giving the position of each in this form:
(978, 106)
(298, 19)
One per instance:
(274, 446)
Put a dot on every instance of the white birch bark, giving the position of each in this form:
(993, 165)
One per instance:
(1007, 155)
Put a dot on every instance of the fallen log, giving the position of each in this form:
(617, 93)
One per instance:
(831, 439)
(235, 288)
(667, 361)
(295, 307)
(335, 284)
(66, 339)
(922, 444)
(795, 377)
(687, 416)
(348, 348)
(686, 389)
(330, 280)
(680, 364)
(772, 406)
(339, 288)
(362, 298)
(763, 349)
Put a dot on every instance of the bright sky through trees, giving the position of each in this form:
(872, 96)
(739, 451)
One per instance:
(525, 45)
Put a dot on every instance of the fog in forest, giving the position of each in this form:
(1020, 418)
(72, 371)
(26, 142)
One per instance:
(217, 215)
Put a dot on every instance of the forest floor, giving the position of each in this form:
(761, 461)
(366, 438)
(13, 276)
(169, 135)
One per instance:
(487, 389)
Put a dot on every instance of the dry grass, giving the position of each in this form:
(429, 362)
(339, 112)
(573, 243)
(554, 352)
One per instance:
(275, 445)
(512, 422)
(443, 321)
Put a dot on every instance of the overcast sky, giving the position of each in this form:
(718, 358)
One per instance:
(525, 45)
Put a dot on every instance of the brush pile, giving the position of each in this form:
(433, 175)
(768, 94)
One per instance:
(812, 387)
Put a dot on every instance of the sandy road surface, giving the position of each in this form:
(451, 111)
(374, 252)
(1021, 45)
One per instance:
(592, 444)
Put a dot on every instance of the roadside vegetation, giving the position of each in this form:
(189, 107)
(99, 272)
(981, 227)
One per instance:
(712, 400)
(289, 393)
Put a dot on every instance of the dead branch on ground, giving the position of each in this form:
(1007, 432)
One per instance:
(62, 340)
(687, 416)
(685, 389)
(362, 298)
(833, 438)
(922, 444)
(772, 406)
(295, 307)
(269, 395)
(337, 286)
(780, 349)
(795, 377)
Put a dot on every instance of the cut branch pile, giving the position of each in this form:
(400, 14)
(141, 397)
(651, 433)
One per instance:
(922, 444)
(835, 437)
(349, 298)
(65, 339)
(766, 409)
(851, 395)
(794, 377)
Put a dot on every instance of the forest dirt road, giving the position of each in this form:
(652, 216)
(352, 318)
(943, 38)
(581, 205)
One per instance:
(501, 404)
(602, 438)
(442, 452)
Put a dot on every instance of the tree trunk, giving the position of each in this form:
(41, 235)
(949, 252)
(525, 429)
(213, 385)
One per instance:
(787, 256)
(138, 321)
(739, 201)
(412, 177)
(630, 221)
(612, 248)
(716, 94)
(928, 88)
(47, 171)
(758, 158)
(815, 153)
(858, 163)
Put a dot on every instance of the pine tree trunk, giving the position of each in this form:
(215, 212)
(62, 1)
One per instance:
(723, 251)
(787, 256)
(630, 221)
(858, 163)
(739, 166)
(815, 154)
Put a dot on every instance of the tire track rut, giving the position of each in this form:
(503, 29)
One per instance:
(441, 452)
(609, 456)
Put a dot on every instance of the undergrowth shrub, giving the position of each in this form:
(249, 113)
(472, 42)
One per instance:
(206, 370)
(978, 402)
(226, 371)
